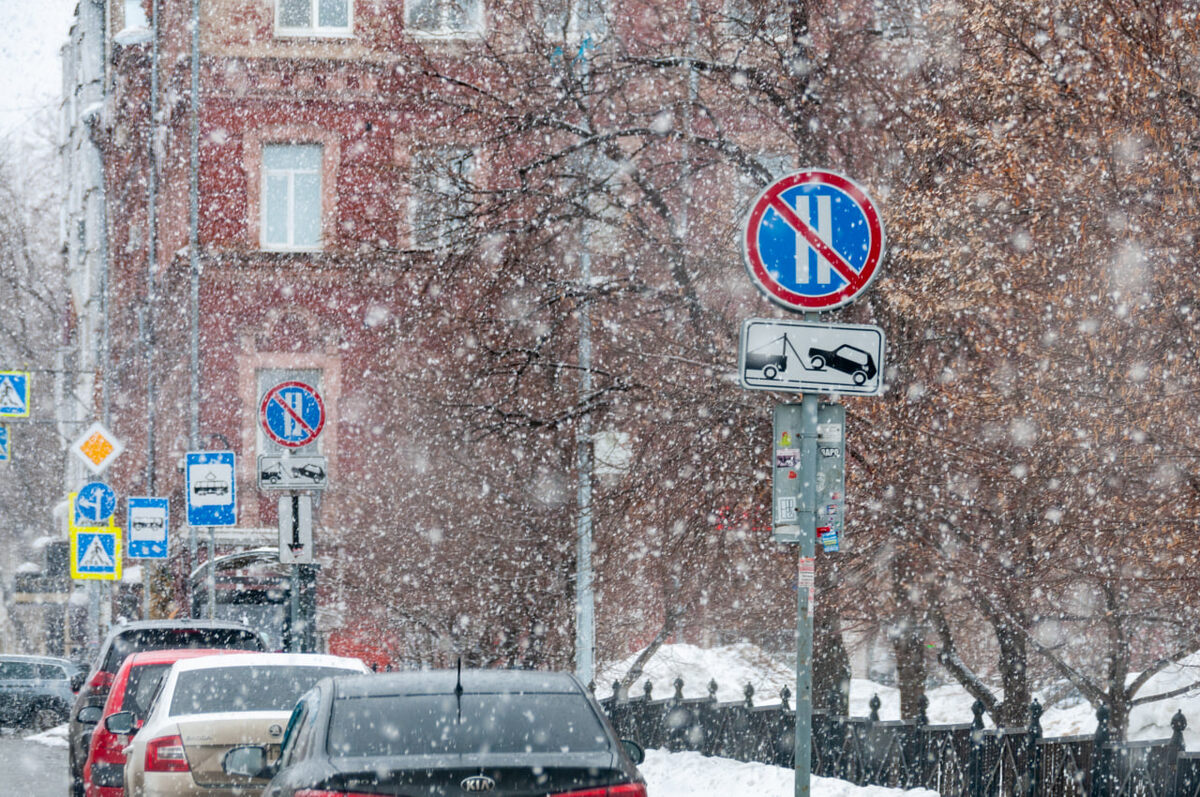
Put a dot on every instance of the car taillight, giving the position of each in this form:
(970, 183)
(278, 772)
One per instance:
(101, 681)
(165, 754)
(624, 790)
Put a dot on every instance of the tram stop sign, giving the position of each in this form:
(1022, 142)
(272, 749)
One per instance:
(814, 241)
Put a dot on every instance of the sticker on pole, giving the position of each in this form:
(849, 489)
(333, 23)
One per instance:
(292, 414)
(814, 240)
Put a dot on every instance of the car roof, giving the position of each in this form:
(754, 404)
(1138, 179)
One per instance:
(169, 656)
(436, 682)
(142, 625)
(37, 659)
(270, 660)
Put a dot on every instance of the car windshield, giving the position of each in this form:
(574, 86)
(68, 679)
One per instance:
(167, 638)
(246, 688)
(479, 723)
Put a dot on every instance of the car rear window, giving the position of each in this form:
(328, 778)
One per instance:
(51, 672)
(167, 638)
(16, 671)
(141, 687)
(267, 688)
(479, 723)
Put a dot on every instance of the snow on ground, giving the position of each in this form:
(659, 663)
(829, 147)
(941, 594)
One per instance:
(55, 737)
(733, 666)
(688, 774)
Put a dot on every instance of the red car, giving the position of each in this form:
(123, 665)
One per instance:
(133, 689)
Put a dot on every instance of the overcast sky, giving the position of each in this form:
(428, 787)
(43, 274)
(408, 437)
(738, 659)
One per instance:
(31, 34)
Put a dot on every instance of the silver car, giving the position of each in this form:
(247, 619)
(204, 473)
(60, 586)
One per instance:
(210, 704)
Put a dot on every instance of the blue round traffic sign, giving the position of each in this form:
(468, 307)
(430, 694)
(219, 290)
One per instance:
(814, 240)
(292, 414)
(94, 504)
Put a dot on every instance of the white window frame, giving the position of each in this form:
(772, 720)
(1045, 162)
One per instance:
(264, 203)
(475, 10)
(575, 29)
(443, 186)
(740, 12)
(315, 29)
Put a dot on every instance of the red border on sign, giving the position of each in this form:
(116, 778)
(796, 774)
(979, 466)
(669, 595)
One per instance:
(273, 394)
(769, 198)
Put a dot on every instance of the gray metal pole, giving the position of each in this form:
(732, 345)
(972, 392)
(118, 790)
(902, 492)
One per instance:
(194, 272)
(806, 515)
(296, 641)
(212, 573)
(151, 300)
(585, 600)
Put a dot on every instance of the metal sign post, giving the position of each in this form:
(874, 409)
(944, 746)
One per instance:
(813, 241)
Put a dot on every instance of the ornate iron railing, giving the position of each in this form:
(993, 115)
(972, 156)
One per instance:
(953, 760)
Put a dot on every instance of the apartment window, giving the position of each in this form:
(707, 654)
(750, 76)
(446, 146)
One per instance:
(291, 196)
(444, 18)
(901, 19)
(313, 17)
(573, 20)
(439, 207)
(768, 20)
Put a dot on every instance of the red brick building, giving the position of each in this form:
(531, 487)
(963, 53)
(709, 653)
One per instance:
(332, 136)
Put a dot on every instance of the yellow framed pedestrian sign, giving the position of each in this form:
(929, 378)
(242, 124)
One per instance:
(95, 550)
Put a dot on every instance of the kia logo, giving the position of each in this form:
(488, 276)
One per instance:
(478, 783)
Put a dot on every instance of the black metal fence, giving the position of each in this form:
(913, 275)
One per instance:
(955, 760)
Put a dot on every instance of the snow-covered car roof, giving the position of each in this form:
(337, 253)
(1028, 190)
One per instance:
(270, 660)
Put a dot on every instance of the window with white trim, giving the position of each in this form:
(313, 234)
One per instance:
(291, 197)
(314, 17)
(573, 20)
(439, 207)
(763, 20)
(449, 19)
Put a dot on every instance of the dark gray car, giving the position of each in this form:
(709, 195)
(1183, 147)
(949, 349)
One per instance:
(35, 691)
(437, 733)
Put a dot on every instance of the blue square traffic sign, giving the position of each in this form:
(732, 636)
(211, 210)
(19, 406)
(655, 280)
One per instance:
(14, 394)
(149, 522)
(211, 488)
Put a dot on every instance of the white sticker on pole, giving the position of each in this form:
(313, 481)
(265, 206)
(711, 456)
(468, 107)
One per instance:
(807, 579)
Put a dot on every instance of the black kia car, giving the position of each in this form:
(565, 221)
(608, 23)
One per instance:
(506, 733)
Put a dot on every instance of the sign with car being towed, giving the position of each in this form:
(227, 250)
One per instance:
(294, 473)
(801, 356)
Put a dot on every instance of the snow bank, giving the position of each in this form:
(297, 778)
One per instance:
(55, 737)
(688, 774)
(732, 666)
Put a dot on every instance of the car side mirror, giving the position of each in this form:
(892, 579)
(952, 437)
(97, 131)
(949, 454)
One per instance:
(77, 681)
(122, 723)
(633, 750)
(89, 715)
(249, 761)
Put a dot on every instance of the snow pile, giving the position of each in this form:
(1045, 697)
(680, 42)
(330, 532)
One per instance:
(731, 666)
(689, 774)
(55, 737)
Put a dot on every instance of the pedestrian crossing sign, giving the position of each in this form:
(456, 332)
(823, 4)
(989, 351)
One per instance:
(14, 394)
(95, 550)
(5, 444)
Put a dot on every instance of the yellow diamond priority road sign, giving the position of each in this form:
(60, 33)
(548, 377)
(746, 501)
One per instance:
(98, 447)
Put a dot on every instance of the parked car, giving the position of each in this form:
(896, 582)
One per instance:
(133, 690)
(205, 707)
(124, 640)
(35, 691)
(504, 732)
